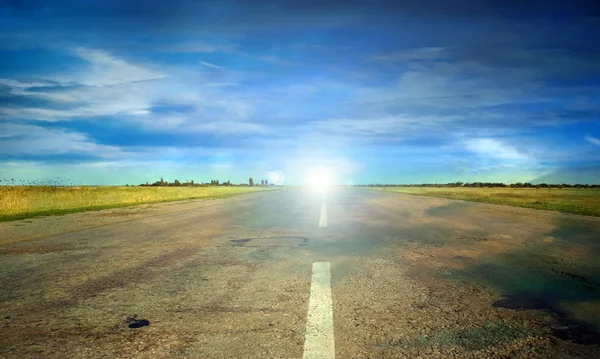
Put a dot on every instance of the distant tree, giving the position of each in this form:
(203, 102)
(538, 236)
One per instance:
(251, 181)
(192, 182)
(177, 183)
(217, 182)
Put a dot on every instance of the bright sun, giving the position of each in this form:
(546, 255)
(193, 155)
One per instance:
(319, 179)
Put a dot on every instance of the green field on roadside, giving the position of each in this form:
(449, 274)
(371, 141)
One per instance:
(570, 200)
(18, 202)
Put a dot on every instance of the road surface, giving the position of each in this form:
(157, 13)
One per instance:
(293, 274)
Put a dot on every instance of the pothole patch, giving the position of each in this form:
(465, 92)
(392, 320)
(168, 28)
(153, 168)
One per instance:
(135, 323)
(566, 327)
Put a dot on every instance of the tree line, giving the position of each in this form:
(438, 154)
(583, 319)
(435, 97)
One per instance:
(191, 183)
(487, 184)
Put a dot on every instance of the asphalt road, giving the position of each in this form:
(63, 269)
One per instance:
(293, 273)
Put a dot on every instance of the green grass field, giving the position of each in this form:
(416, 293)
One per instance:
(571, 200)
(18, 202)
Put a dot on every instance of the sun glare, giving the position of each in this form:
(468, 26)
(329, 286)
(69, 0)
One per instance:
(319, 179)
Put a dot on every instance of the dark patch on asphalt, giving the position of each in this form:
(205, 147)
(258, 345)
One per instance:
(135, 323)
(572, 234)
(139, 323)
(524, 301)
(521, 271)
(566, 327)
(583, 282)
(269, 241)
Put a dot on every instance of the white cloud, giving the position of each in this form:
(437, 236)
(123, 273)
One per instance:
(208, 64)
(449, 85)
(18, 86)
(392, 128)
(139, 112)
(89, 101)
(187, 124)
(108, 86)
(20, 139)
(113, 87)
(492, 148)
(593, 140)
(109, 70)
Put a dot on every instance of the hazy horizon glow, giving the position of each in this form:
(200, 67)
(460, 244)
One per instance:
(109, 92)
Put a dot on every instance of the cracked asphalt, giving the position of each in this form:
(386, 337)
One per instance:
(230, 278)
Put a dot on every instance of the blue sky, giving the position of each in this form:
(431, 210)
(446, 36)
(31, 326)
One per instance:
(114, 92)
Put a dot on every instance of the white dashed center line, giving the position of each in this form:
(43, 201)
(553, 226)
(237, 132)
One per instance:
(323, 218)
(318, 342)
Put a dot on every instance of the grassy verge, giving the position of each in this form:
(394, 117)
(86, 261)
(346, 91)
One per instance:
(571, 200)
(18, 202)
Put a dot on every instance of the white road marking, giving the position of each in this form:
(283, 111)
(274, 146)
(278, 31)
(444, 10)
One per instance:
(323, 218)
(318, 342)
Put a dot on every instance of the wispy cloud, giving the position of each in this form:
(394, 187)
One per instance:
(108, 85)
(22, 139)
(74, 102)
(19, 85)
(111, 86)
(106, 69)
(593, 140)
(208, 64)
(493, 148)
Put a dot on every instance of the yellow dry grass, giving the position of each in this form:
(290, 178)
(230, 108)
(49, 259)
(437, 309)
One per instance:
(572, 200)
(18, 202)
